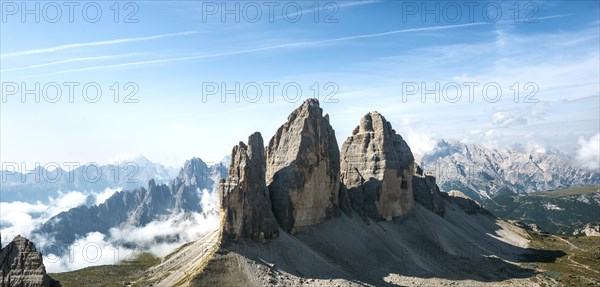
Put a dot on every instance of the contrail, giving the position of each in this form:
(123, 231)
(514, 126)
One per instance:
(83, 59)
(289, 45)
(93, 44)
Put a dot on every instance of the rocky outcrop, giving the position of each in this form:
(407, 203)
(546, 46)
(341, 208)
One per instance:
(22, 265)
(589, 229)
(303, 165)
(377, 167)
(426, 192)
(245, 205)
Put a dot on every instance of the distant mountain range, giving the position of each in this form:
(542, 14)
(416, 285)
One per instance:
(137, 207)
(41, 184)
(483, 173)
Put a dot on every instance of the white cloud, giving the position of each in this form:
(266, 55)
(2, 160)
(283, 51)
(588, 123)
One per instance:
(98, 249)
(588, 154)
(418, 137)
(508, 118)
(16, 218)
(101, 197)
(91, 250)
(210, 200)
(20, 218)
(539, 110)
(66, 201)
(534, 147)
(159, 237)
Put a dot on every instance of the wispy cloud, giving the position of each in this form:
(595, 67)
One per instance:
(274, 47)
(93, 44)
(83, 59)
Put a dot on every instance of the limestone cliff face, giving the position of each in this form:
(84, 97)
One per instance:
(21, 265)
(303, 165)
(245, 205)
(377, 167)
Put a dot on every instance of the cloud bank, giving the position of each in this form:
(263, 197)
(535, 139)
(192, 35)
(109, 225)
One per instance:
(588, 154)
(159, 237)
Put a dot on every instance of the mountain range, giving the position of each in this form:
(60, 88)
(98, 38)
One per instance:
(137, 207)
(301, 211)
(482, 173)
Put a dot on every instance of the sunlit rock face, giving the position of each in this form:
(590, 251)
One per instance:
(303, 165)
(377, 167)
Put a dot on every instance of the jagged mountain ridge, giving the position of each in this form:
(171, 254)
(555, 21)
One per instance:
(138, 207)
(482, 172)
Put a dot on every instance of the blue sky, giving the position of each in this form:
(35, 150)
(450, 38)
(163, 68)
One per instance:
(368, 53)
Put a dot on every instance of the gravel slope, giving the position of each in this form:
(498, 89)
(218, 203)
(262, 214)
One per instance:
(421, 249)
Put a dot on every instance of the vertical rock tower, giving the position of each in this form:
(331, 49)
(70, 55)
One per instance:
(303, 165)
(245, 205)
(377, 168)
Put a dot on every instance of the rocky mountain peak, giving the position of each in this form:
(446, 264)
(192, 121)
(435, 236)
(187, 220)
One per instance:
(377, 167)
(22, 265)
(372, 122)
(309, 108)
(303, 168)
(245, 205)
(195, 172)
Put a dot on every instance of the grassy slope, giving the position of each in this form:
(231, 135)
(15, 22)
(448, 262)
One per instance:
(579, 267)
(569, 191)
(107, 275)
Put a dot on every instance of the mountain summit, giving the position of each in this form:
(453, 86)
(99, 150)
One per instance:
(303, 166)
(377, 168)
